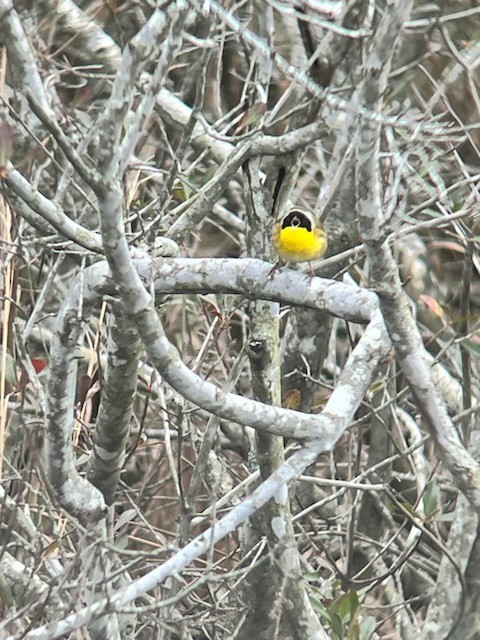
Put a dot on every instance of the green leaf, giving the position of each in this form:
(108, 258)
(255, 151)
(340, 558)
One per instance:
(320, 608)
(346, 606)
(431, 499)
(121, 542)
(181, 190)
(10, 370)
(354, 631)
(124, 518)
(446, 517)
(408, 507)
(337, 626)
(472, 347)
(367, 627)
(312, 576)
(377, 385)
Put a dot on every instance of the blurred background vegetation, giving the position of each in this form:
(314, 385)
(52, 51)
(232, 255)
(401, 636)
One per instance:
(432, 217)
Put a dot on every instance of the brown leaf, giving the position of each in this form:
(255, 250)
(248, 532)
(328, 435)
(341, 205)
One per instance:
(292, 399)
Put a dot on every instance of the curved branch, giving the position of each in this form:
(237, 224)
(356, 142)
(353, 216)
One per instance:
(249, 277)
(288, 287)
(113, 420)
(21, 56)
(75, 494)
(337, 415)
(394, 303)
(50, 211)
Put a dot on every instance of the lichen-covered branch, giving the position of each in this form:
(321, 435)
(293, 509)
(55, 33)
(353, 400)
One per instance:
(74, 493)
(113, 117)
(394, 303)
(113, 420)
(21, 56)
(338, 412)
(94, 282)
(279, 579)
(50, 211)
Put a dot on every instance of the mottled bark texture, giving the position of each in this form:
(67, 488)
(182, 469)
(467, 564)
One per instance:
(113, 420)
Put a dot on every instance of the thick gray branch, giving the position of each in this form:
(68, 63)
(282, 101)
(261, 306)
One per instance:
(112, 119)
(337, 415)
(94, 283)
(75, 494)
(394, 303)
(113, 420)
(20, 55)
(50, 211)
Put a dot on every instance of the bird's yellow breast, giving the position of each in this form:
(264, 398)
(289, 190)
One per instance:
(297, 244)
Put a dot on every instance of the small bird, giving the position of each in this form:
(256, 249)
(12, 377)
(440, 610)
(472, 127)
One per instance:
(299, 236)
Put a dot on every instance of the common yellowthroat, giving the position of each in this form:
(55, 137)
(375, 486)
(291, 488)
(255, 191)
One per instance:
(299, 236)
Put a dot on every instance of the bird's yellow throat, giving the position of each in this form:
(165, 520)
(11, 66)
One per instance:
(299, 244)
(299, 237)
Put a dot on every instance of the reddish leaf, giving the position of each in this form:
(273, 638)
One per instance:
(292, 399)
(433, 306)
(39, 364)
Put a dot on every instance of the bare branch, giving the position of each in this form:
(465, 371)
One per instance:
(335, 418)
(394, 304)
(94, 283)
(109, 124)
(51, 212)
(300, 76)
(21, 55)
(113, 420)
(75, 494)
